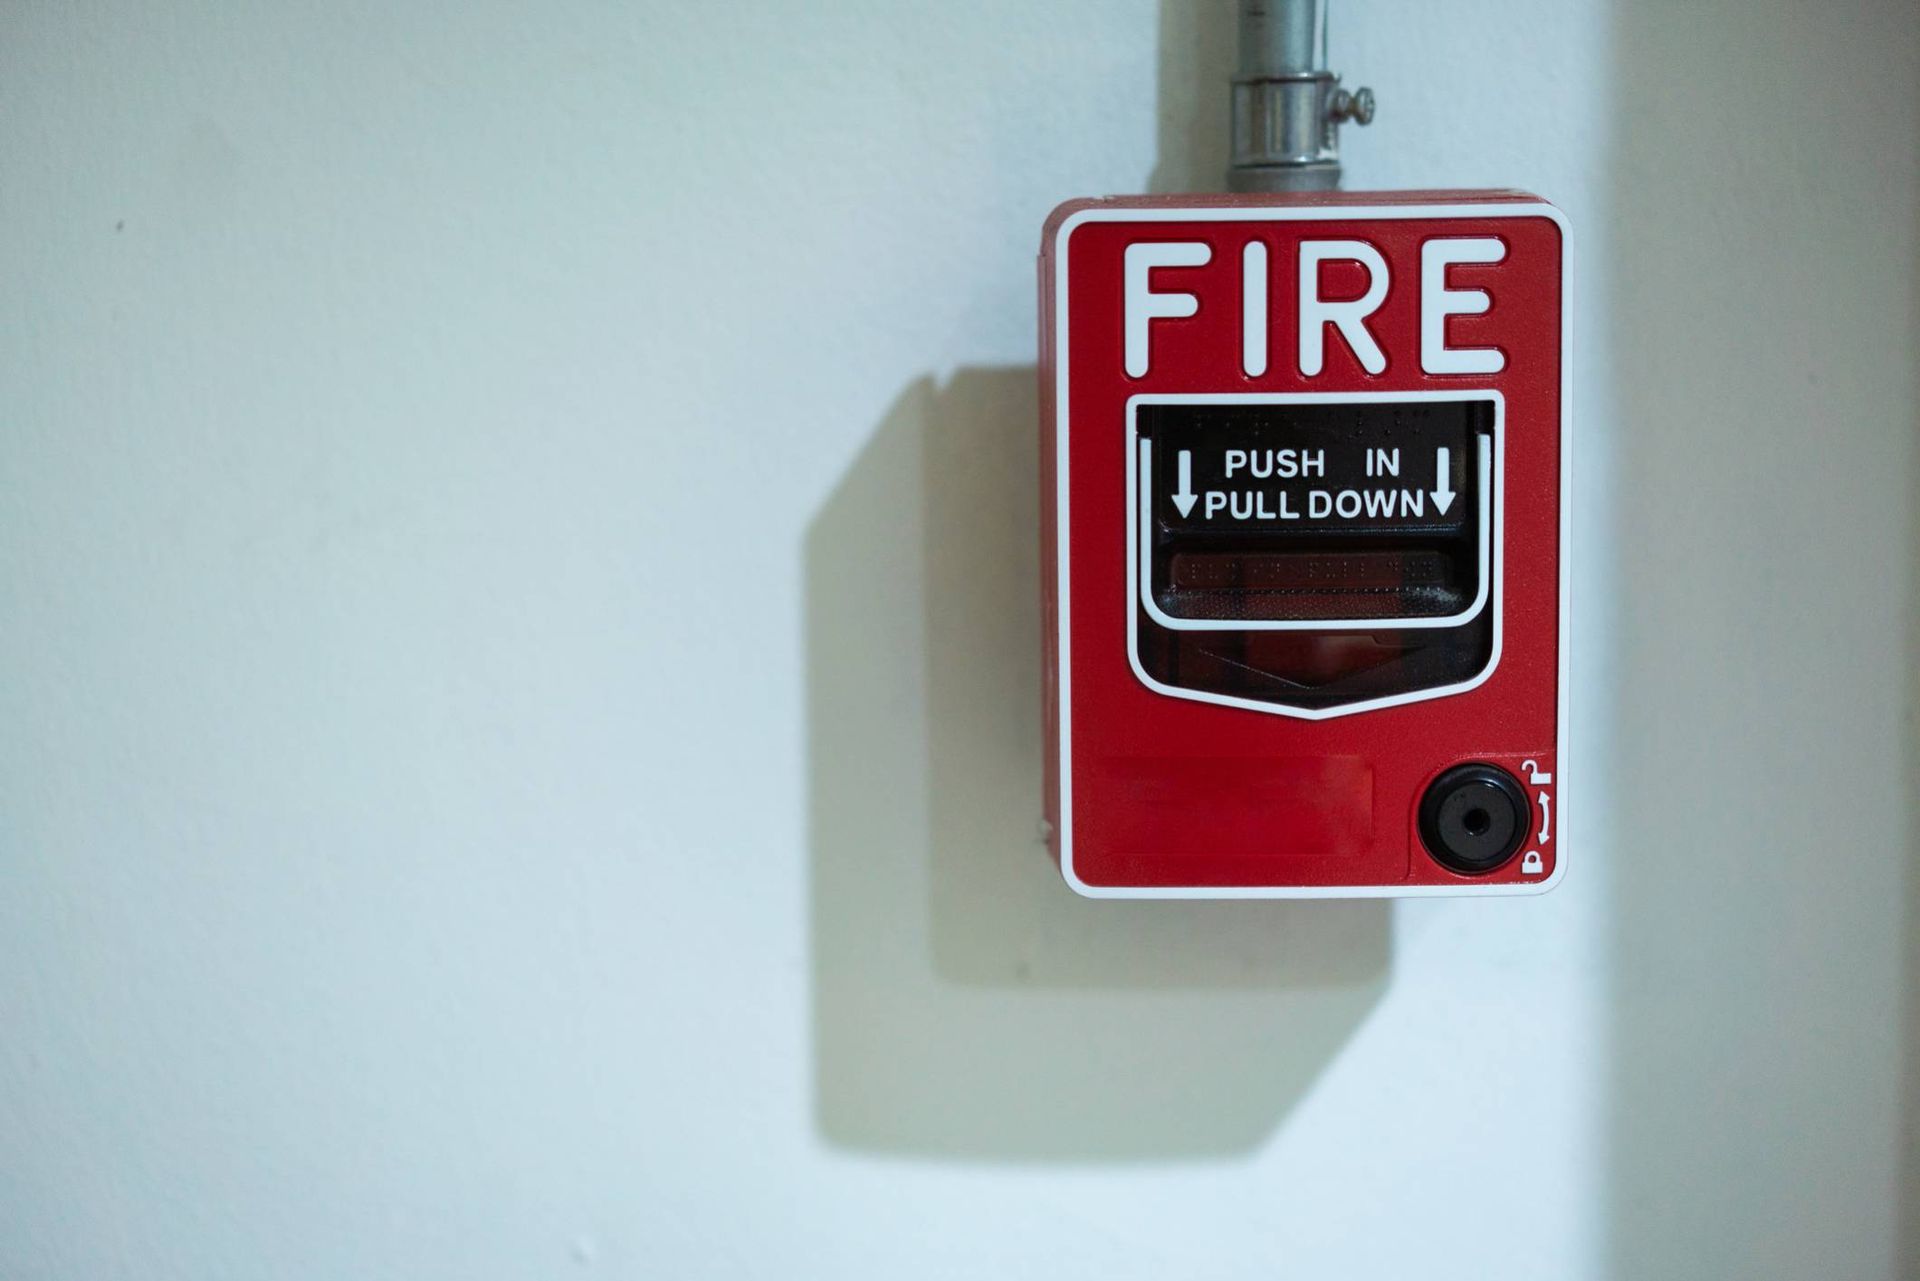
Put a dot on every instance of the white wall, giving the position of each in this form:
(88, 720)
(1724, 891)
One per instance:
(518, 656)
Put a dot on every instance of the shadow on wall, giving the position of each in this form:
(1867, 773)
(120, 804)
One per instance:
(1909, 1256)
(966, 1003)
(1758, 761)
(1197, 48)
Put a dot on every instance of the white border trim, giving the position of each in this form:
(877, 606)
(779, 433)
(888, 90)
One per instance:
(1062, 239)
(1496, 530)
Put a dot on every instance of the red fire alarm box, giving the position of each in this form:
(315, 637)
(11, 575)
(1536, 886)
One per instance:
(1305, 471)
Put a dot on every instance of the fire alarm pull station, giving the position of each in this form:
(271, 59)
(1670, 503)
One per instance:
(1305, 472)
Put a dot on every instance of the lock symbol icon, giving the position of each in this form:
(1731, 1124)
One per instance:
(1532, 864)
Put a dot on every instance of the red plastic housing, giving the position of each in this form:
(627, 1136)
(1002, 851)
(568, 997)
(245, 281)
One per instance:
(1155, 789)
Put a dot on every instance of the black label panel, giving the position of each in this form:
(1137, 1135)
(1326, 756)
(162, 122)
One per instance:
(1291, 515)
(1310, 469)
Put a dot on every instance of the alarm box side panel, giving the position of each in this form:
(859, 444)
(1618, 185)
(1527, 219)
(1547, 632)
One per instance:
(1050, 595)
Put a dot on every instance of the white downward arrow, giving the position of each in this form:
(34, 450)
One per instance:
(1185, 498)
(1443, 487)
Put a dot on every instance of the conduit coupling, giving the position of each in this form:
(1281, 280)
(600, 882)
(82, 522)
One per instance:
(1287, 106)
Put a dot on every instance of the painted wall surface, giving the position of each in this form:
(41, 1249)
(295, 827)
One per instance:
(519, 663)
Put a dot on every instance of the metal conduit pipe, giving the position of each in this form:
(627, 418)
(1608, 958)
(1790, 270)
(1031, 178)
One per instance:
(1287, 106)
